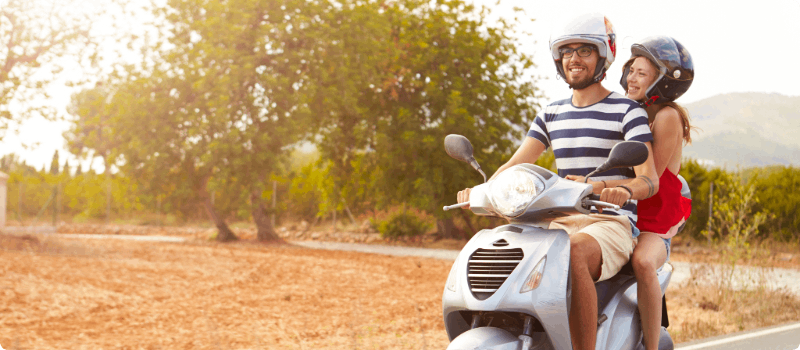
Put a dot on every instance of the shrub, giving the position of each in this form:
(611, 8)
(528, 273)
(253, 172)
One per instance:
(402, 222)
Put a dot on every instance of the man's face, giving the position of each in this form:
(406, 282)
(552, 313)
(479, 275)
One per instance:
(579, 71)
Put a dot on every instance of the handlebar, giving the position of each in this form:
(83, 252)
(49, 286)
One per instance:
(594, 199)
(454, 206)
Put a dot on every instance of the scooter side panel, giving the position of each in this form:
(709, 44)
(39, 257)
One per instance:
(618, 301)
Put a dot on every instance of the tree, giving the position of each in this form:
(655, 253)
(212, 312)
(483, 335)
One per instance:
(395, 78)
(37, 39)
(221, 106)
(54, 167)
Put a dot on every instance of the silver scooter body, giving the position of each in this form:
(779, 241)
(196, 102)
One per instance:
(483, 306)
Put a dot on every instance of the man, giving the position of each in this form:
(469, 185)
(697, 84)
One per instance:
(582, 130)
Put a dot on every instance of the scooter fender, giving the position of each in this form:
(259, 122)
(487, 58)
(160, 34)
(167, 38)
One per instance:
(485, 338)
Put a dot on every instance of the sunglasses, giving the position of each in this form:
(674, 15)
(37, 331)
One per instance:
(583, 51)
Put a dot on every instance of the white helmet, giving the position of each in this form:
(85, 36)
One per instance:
(591, 29)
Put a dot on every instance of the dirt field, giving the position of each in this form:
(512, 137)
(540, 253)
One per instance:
(106, 294)
(73, 294)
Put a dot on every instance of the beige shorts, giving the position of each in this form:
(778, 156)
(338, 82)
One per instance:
(612, 232)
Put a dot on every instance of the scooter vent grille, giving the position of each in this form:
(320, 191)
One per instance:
(489, 268)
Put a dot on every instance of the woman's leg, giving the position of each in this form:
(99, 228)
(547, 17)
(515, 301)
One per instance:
(649, 254)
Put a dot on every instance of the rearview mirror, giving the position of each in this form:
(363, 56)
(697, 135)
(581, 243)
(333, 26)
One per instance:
(458, 147)
(625, 154)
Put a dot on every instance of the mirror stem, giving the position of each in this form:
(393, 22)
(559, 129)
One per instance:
(477, 167)
(586, 179)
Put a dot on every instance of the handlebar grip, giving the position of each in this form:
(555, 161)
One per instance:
(596, 197)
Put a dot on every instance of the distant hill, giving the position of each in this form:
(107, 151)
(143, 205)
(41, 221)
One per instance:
(746, 129)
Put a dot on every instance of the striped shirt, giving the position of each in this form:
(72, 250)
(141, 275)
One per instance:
(582, 137)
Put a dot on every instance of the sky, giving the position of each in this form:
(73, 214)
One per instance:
(736, 46)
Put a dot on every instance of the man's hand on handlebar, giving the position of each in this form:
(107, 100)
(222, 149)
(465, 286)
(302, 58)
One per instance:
(615, 195)
(463, 196)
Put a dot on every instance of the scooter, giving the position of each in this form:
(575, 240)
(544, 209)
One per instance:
(509, 288)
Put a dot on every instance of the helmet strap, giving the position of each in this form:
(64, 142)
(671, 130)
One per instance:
(650, 102)
(600, 70)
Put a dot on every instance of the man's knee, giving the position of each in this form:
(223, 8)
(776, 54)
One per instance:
(585, 252)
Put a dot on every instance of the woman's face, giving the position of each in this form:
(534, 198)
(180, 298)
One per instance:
(640, 76)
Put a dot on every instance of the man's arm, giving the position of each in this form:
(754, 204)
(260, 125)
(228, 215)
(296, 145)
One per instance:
(528, 152)
(645, 185)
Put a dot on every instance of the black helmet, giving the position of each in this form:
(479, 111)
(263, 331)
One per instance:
(674, 63)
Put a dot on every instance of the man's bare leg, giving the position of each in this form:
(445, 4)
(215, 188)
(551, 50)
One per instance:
(586, 260)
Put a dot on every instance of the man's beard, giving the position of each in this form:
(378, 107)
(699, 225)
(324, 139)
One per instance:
(581, 84)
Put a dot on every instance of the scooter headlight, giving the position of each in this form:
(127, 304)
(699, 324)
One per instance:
(514, 189)
(535, 277)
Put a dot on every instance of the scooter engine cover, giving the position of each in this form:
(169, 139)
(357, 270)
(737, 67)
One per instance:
(485, 338)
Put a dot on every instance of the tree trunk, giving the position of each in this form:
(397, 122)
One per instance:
(446, 228)
(349, 213)
(224, 233)
(266, 231)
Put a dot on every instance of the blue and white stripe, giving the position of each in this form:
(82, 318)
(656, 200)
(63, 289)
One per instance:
(582, 137)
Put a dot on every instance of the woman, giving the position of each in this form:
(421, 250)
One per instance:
(659, 71)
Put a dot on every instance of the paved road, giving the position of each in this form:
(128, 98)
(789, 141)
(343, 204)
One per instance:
(784, 337)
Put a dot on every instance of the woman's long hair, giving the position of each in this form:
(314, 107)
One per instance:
(687, 126)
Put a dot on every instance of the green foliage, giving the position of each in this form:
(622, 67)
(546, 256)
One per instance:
(735, 219)
(775, 191)
(82, 196)
(778, 192)
(548, 160)
(699, 179)
(402, 222)
(388, 96)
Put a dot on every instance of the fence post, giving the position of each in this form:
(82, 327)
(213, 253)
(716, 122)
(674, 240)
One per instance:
(3, 183)
(334, 220)
(19, 202)
(108, 195)
(158, 210)
(55, 205)
(710, 209)
(274, 195)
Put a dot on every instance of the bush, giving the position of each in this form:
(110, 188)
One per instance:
(402, 222)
